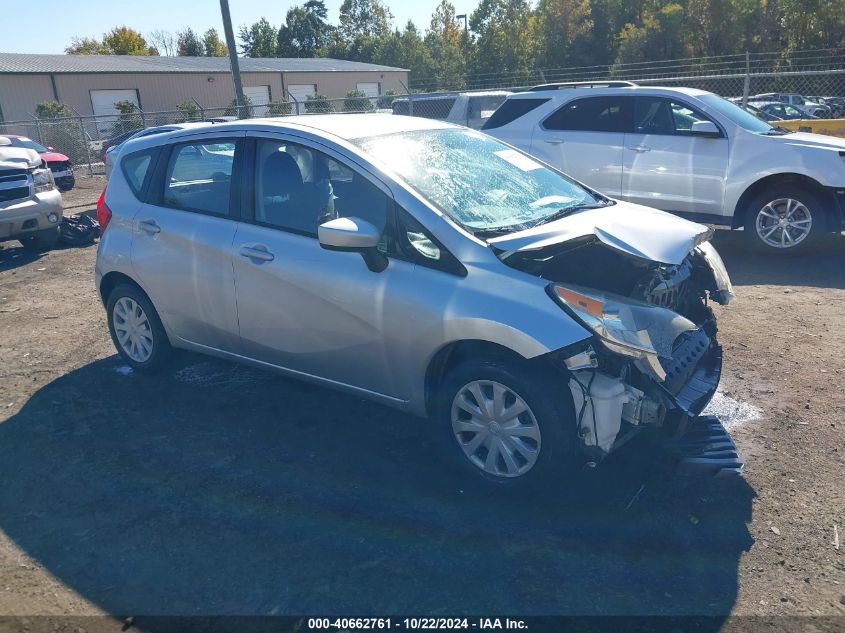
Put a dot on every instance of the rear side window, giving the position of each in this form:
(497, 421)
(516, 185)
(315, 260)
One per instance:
(136, 167)
(511, 110)
(592, 114)
(199, 177)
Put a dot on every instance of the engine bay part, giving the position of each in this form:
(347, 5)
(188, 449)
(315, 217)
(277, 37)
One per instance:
(603, 403)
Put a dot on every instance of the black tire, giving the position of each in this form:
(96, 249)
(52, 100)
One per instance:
(813, 209)
(161, 349)
(41, 241)
(550, 401)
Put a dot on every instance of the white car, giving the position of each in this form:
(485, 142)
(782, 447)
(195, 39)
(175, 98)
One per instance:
(471, 109)
(686, 151)
(794, 99)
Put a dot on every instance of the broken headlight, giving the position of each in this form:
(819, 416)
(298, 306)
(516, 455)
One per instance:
(42, 180)
(641, 331)
(724, 288)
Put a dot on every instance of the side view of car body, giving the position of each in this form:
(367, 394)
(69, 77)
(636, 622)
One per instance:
(423, 265)
(685, 151)
(58, 163)
(471, 109)
(30, 204)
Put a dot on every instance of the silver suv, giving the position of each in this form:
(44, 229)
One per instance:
(30, 203)
(423, 265)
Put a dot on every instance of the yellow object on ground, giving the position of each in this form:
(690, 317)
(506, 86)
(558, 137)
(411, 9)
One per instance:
(833, 127)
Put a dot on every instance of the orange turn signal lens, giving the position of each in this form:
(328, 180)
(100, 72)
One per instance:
(591, 306)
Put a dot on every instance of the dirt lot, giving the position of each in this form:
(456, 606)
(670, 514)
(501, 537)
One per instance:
(217, 489)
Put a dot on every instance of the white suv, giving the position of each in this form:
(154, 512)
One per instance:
(686, 151)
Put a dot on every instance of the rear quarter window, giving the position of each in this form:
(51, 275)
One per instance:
(136, 169)
(511, 110)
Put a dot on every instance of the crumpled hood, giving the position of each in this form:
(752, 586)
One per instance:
(19, 157)
(637, 230)
(54, 157)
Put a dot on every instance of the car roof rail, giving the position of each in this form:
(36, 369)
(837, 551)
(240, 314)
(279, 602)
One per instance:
(584, 84)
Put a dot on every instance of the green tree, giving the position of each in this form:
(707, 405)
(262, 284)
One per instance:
(447, 46)
(122, 40)
(188, 43)
(406, 49)
(357, 101)
(305, 32)
(245, 111)
(213, 45)
(318, 104)
(188, 111)
(258, 40)
(86, 46)
(505, 43)
(565, 33)
(659, 36)
(279, 108)
(363, 18)
(129, 118)
(52, 110)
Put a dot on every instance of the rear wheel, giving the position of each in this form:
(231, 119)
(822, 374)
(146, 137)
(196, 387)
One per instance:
(784, 219)
(136, 330)
(507, 425)
(41, 241)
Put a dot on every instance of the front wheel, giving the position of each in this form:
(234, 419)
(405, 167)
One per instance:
(507, 424)
(784, 220)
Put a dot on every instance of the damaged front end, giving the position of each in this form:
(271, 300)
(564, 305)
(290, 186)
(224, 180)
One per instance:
(653, 360)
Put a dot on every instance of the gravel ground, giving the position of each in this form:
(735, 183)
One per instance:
(218, 489)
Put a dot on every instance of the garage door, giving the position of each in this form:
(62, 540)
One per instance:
(260, 97)
(102, 103)
(369, 89)
(300, 93)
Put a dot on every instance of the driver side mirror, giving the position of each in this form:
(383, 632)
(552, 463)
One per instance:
(50, 148)
(355, 235)
(705, 128)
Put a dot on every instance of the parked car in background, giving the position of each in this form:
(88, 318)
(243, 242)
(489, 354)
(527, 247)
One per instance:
(836, 105)
(30, 204)
(112, 150)
(760, 114)
(426, 266)
(471, 109)
(806, 106)
(58, 163)
(783, 111)
(685, 151)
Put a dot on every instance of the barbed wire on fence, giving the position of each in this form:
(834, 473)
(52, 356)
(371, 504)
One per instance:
(816, 72)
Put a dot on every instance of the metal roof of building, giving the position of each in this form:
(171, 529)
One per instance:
(27, 63)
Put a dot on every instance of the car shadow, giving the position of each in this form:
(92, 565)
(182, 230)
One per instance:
(216, 489)
(821, 268)
(13, 255)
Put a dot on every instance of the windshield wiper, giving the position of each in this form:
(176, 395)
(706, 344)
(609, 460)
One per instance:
(562, 213)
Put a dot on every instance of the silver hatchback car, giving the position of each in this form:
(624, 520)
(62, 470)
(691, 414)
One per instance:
(424, 265)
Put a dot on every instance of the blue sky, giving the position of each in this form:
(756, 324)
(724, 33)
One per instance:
(47, 26)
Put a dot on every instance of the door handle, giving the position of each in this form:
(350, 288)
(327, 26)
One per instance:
(150, 226)
(641, 149)
(553, 141)
(257, 251)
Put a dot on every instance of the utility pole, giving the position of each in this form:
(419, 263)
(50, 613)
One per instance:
(233, 55)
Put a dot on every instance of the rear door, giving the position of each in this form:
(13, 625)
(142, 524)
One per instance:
(666, 166)
(584, 138)
(182, 240)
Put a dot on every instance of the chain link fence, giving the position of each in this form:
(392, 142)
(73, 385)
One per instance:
(84, 139)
